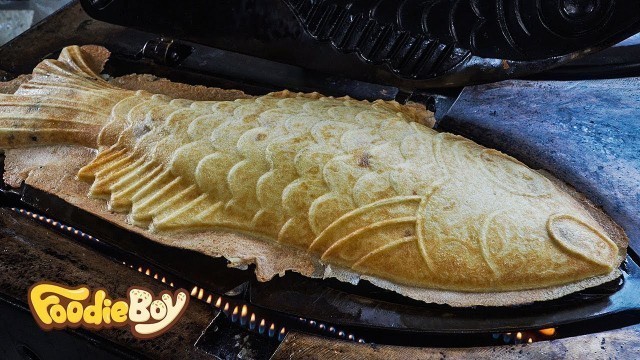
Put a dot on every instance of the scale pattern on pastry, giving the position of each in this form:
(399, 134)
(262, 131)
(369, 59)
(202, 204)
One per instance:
(358, 184)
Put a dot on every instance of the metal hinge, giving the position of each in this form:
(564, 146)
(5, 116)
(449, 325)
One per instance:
(166, 51)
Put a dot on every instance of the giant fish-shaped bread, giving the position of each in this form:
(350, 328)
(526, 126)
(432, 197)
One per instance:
(359, 185)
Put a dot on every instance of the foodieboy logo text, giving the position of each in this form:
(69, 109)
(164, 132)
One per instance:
(56, 306)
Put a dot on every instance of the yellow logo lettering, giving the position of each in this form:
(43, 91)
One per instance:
(56, 306)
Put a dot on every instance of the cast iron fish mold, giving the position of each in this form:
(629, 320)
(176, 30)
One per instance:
(427, 38)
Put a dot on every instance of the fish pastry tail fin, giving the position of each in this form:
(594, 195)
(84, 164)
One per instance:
(66, 101)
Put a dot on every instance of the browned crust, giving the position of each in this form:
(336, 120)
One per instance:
(163, 86)
(98, 57)
(9, 87)
(153, 84)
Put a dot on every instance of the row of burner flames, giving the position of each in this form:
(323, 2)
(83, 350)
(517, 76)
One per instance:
(271, 325)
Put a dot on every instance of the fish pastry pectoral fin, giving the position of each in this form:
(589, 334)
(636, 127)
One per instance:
(383, 262)
(360, 243)
(357, 220)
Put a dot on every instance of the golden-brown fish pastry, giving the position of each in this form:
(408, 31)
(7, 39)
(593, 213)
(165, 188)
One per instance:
(360, 185)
